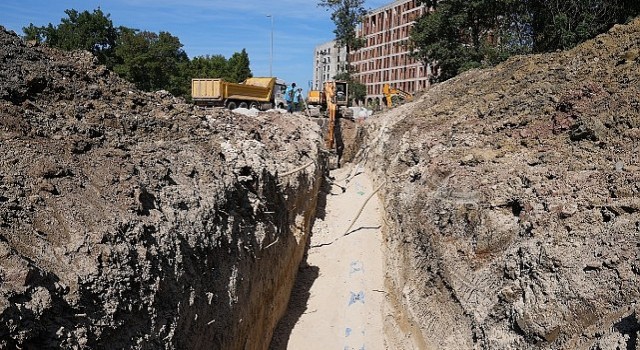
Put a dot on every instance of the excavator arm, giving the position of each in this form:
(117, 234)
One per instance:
(330, 93)
(390, 92)
(337, 98)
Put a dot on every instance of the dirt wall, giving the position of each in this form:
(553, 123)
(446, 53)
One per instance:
(133, 220)
(513, 215)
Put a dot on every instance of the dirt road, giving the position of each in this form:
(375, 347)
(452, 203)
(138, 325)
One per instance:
(336, 303)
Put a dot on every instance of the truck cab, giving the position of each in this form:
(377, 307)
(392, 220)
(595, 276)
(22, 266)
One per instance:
(278, 94)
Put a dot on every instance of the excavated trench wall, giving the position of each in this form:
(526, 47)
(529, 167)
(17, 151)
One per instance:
(132, 220)
(512, 203)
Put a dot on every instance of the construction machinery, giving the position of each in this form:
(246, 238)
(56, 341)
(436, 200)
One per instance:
(394, 96)
(319, 100)
(316, 99)
(336, 96)
(261, 93)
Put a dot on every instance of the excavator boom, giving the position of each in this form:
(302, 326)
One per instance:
(390, 92)
(337, 95)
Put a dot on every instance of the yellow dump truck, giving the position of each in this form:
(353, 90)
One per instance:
(260, 93)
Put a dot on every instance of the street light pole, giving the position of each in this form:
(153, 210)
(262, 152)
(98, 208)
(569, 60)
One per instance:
(271, 53)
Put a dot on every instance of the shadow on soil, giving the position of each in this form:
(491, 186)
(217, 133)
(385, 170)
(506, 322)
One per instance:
(296, 308)
(305, 278)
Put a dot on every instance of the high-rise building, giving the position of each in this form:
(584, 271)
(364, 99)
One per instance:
(329, 61)
(385, 58)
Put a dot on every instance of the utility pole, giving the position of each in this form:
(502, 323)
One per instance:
(271, 53)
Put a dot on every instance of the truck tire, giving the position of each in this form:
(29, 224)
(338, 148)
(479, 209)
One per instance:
(255, 105)
(243, 105)
(231, 105)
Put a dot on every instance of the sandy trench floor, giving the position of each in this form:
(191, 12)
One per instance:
(337, 300)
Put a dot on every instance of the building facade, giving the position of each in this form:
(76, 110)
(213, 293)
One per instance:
(328, 61)
(385, 58)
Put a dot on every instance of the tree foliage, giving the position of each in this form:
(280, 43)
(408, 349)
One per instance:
(152, 61)
(80, 30)
(208, 66)
(238, 67)
(346, 15)
(562, 24)
(456, 35)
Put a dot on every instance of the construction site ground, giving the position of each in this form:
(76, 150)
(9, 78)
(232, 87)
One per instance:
(508, 214)
(337, 299)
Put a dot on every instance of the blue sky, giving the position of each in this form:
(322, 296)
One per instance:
(209, 26)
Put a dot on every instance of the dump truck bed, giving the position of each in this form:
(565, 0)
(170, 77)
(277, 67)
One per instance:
(253, 89)
(206, 89)
(217, 91)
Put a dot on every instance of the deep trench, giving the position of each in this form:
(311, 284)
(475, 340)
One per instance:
(310, 321)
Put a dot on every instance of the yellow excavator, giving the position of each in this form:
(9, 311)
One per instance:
(336, 96)
(333, 99)
(393, 95)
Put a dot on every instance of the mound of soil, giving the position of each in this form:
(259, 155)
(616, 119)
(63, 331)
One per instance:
(512, 201)
(132, 220)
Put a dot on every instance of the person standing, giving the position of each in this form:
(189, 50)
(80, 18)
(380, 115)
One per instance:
(297, 99)
(289, 95)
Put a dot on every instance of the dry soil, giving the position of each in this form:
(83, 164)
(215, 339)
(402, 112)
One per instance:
(337, 303)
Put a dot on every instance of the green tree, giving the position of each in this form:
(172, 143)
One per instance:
(238, 67)
(458, 35)
(152, 61)
(79, 31)
(171, 61)
(133, 56)
(208, 66)
(346, 14)
(39, 34)
(562, 24)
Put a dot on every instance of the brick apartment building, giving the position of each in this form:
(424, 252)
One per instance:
(385, 58)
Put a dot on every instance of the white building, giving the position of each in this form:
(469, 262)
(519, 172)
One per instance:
(328, 61)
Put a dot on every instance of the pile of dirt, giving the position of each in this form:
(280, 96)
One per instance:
(133, 220)
(513, 204)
